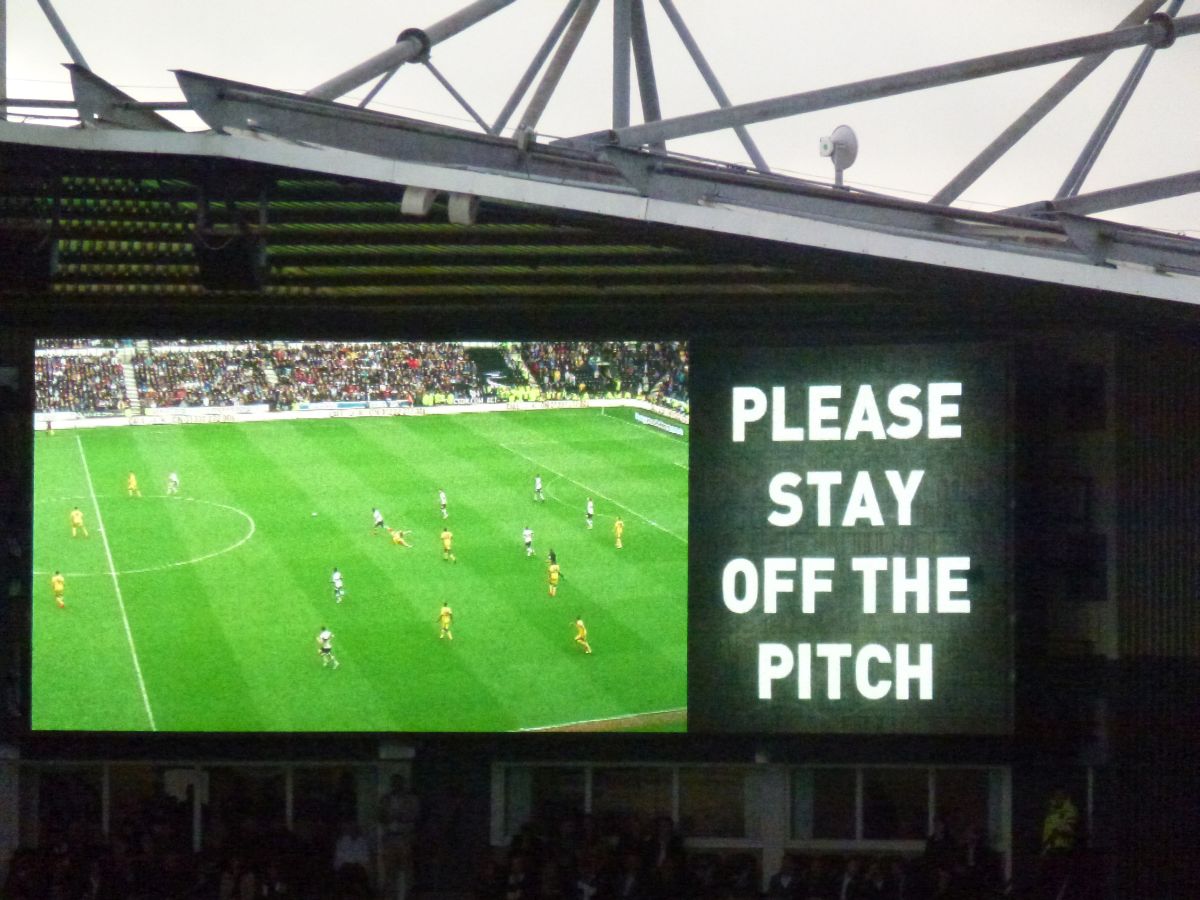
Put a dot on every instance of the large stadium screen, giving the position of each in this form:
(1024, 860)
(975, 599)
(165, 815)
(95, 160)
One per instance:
(239, 536)
(850, 565)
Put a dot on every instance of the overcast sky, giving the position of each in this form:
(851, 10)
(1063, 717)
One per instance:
(910, 145)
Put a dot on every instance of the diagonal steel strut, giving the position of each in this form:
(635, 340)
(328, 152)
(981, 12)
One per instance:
(710, 78)
(558, 65)
(1036, 112)
(64, 36)
(1157, 31)
(1104, 128)
(406, 50)
(535, 65)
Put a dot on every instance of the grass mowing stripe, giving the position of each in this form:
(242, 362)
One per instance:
(137, 666)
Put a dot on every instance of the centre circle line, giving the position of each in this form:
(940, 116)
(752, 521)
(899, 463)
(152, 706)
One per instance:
(186, 562)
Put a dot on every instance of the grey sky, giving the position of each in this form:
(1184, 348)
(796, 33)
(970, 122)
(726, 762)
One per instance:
(909, 145)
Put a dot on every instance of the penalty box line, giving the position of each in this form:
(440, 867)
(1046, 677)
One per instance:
(589, 490)
(112, 571)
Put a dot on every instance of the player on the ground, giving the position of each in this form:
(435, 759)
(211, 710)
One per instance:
(527, 537)
(445, 619)
(581, 635)
(339, 587)
(442, 500)
(131, 485)
(447, 551)
(554, 574)
(172, 484)
(537, 489)
(379, 523)
(58, 584)
(619, 531)
(77, 522)
(325, 648)
(398, 537)
(591, 511)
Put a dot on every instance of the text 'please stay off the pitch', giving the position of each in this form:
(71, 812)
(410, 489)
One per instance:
(835, 499)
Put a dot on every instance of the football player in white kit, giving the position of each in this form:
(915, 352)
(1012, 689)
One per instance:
(442, 500)
(537, 489)
(378, 517)
(339, 588)
(527, 536)
(173, 483)
(325, 647)
(591, 511)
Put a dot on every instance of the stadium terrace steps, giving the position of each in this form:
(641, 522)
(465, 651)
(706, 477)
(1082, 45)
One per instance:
(268, 370)
(125, 355)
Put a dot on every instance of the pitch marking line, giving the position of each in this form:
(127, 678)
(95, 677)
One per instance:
(653, 432)
(172, 565)
(112, 569)
(188, 562)
(642, 429)
(644, 432)
(644, 715)
(593, 492)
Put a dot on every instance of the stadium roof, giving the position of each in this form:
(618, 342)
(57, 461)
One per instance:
(124, 207)
(350, 203)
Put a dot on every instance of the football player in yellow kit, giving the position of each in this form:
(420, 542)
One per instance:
(581, 635)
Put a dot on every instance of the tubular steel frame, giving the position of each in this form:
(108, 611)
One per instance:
(1144, 26)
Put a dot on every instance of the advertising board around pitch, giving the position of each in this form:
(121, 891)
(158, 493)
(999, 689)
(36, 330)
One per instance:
(850, 567)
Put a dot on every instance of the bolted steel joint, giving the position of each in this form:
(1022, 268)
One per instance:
(421, 38)
(1164, 30)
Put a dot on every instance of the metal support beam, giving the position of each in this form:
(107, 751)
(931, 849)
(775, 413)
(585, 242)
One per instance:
(710, 78)
(558, 65)
(1130, 194)
(63, 35)
(405, 50)
(535, 65)
(3, 59)
(462, 101)
(1155, 32)
(102, 105)
(1091, 150)
(622, 15)
(644, 60)
(377, 87)
(34, 103)
(1038, 111)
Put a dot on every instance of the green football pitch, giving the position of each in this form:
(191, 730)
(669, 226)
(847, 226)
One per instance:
(199, 612)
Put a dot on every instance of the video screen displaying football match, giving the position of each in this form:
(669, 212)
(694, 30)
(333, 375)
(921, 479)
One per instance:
(304, 536)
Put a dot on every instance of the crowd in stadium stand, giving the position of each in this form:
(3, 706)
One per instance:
(202, 377)
(152, 859)
(619, 857)
(171, 375)
(79, 383)
(322, 372)
(568, 855)
(648, 369)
